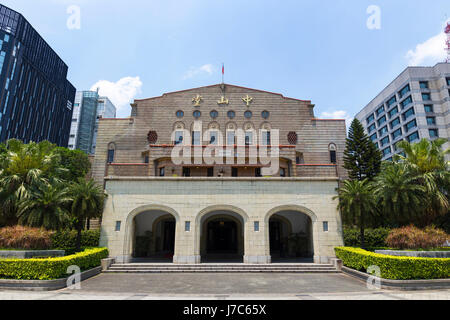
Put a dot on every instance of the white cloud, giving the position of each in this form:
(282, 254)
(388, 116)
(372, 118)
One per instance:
(121, 93)
(339, 114)
(429, 52)
(192, 72)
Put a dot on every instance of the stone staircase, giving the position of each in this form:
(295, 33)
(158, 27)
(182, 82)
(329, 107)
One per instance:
(140, 268)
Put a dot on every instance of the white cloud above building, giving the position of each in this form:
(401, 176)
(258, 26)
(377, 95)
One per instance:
(195, 71)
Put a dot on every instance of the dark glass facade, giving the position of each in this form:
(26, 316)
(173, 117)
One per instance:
(36, 100)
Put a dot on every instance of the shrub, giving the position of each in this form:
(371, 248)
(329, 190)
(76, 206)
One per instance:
(52, 268)
(66, 240)
(395, 268)
(25, 238)
(415, 238)
(373, 237)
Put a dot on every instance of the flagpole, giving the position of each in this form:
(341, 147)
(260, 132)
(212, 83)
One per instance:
(223, 73)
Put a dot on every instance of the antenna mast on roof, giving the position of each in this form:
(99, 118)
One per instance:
(447, 43)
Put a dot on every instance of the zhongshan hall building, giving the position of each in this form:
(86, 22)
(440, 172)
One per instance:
(168, 200)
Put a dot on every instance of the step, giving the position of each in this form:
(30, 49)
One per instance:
(222, 271)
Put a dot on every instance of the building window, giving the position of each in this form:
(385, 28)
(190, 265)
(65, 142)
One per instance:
(213, 137)
(371, 128)
(258, 173)
(434, 133)
(409, 113)
(111, 155)
(381, 120)
(395, 123)
(265, 138)
(178, 137)
(385, 141)
(411, 125)
(406, 102)
(333, 157)
(196, 135)
(256, 226)
(162, 172)
(386, 151)
(231, 114)
(431, 121)
(210, 172)
(397, 133)
(282, 172)
(380, 111)
(186, 172)
(404, 91)
(383, 131)
(197, 114)
(234, 172)
(214, 114)
(393, 112)
(248, 138)
(448, 81)
(118, 225)
(180, 114)
(187, 226)
(248, 114)
(413, 137)
(423, 84)
(429, 108)
(231, 138)
(370, 119)
(392, 101)
(265, 114)
(426, 96)
(325, 226)
(373, 137)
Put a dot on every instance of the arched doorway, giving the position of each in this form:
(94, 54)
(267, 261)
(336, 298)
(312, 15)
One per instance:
(154, 236)
(290, 236)
(222, 237)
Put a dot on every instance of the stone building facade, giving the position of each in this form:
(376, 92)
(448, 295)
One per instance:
(231, 210)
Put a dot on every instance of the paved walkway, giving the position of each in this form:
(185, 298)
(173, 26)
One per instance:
(225, 287)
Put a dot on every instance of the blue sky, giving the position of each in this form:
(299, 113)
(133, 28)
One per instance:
(317, 50)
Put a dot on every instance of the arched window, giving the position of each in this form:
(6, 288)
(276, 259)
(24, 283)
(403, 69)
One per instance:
(333, 156)
(111, 152)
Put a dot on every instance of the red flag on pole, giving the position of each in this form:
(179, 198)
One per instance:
(223, 69)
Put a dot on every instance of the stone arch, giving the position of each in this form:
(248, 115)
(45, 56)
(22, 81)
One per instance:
(179, 125)
(291, 207)
(129, 230)
(205, 211)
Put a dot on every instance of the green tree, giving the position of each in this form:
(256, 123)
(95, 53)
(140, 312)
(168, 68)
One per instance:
(356, 203)
(399, 195)
(87, 203)
(75, 161)
(426, 160)
(45, 207)
(362, 159)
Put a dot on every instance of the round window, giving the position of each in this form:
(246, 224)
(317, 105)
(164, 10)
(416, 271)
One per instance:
(180, 114)
(197, 114)
(214, 114)
(265, 114)
(231, 114)
(248, 114)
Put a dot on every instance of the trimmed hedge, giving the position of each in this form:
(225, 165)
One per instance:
(51, 268)
(374, 238)
(66, 240)
(395, 268)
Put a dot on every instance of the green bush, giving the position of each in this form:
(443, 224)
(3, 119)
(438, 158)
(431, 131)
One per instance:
(395, 268)
(373, 237)
(66, 240)
(51, 268)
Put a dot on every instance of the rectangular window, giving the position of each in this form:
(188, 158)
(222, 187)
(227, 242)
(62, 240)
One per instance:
(404, 91)
(411, 125)
(381, 120)
(423, 84)
(397, 133)
(196, 138)
(186, 172)
(434, 133)
(409, 114)
(406, 102)
(265, 138)
(162, 172)
(118, 225)
(385, 141)
(210, 172)
(110, 156)
(383, 131)
(231, 140)
(426, 96)
(234, 172)
(386, 151)
(256, 226)
(333, 157)
(380, 110)
(413, 137)
(325, 226)
(448, 81)
(429, 108)
(187, 226)
(213, 137)
(371, 128)
(392, 101)
(179, 137)
(248, 138)
(370, 119)
(374, 137)
(393, 112)
(395, 123)
(431, 121)
(258, 173)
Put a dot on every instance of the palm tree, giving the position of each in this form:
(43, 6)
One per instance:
(426, 160)
(397, 191)
(45, 206)
(356, 203)
(87, 203)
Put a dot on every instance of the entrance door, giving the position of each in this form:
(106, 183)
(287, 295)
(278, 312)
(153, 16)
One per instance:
(222, 237)
(169, 236)
(275, 236)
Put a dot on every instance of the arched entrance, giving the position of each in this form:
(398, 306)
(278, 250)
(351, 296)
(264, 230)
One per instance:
(152, 236)
(221, 236)
(290, 235)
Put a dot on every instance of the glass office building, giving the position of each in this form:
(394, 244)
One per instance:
(36, 100)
